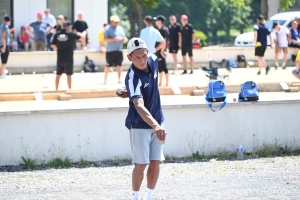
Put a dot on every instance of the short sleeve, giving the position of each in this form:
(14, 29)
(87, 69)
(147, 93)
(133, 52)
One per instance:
(133, 86)
(54, 41)
(164, 33)
(32, 24)
(256, 27)
(178, 28)
(287, 31)
(142, 35)
(86, 26)
(122, 32)
(74, 26)
(192, 29)
(159, 37)
(75, 36)
(106, 33)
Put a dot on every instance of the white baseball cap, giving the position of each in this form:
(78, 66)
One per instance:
(134, 44)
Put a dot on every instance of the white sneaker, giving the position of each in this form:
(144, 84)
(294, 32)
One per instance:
(111, 69)
(174, 72)
(104, 81)
(120, 81)
(2, 77)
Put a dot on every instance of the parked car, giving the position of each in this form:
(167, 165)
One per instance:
(283, 19)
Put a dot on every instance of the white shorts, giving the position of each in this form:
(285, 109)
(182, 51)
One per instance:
(145, 146)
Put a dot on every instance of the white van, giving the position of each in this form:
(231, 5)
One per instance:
(283, 19)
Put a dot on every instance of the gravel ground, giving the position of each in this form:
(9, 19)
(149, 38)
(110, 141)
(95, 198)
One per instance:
(269, 178)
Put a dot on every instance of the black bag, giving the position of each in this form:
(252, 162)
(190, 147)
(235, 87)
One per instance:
(89, 65)
(241, 59)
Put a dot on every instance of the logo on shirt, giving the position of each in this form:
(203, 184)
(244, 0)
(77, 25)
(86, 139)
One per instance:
(62, 37)
(186, 28)
(155, 74)
(146, 84)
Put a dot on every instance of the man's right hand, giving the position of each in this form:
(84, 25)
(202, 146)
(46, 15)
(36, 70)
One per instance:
(123, 95)
(160, 132)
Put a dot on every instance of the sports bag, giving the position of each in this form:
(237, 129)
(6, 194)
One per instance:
(249, 92)
(216, 93)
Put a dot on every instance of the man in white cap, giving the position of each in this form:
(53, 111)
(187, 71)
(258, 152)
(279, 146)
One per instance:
(145, 117)
(115, 37)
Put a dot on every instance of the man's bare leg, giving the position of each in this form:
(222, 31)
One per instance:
(192, 63)
(119, 70)
(167, 79)
(175, 62)
(160, 75)
(57, 81)
(285, 57)
(106, 71)
(137, 176)
(296, 71)
(152, 174)
(69, 77)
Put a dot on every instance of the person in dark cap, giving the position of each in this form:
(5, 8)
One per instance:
(63, 42)
(162, 53)
(151, 35)
(260, 40)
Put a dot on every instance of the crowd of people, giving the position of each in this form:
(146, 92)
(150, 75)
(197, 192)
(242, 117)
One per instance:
(172, 37)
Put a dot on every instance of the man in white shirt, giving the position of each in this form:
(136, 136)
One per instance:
(151, 36)
(50, 19)
(280, 35)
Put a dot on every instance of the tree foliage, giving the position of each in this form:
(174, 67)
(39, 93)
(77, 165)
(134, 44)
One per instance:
(285, 4)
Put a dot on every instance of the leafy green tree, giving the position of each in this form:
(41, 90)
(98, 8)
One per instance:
(120, 10)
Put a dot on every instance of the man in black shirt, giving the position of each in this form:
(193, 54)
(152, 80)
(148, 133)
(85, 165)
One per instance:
(80, 26)
(188, 36)
(174, 40)
(63, 42)
(162, 54)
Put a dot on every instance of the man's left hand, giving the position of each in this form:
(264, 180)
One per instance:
(123, 95)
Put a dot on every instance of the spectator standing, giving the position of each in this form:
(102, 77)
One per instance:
(39, 32)
(80, 26)
(151, 36)
(63, 42)
(174, 40)
(115, 37)
(60, 23)
(24, 39)
(261, 32)
(294, 39)
(101, 39)
(4, 44)
(50, 19)
(281, 40)
(162, 54)
(188, 36)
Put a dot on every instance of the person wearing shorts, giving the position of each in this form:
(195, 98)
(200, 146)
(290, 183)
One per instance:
(145, 118)
(63, 42)
(261, 32)
(281, 34)
(174, 40)
(162, 53)
(4, 44)
(188, 36)
(115, 37)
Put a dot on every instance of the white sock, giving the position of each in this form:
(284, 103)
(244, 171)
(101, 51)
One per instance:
(135, 195)
(283, 64)
(276, 64)
(149, 193)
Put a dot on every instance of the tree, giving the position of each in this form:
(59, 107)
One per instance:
(283, 5)
(137, 8)
(120, 10)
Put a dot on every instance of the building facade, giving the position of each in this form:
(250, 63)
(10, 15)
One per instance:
(23, 12)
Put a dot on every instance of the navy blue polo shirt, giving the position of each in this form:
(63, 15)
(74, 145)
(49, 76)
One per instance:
(142, 84)
(262, 33)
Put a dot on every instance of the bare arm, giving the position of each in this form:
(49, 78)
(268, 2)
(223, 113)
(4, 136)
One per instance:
(179, 39)
(115, 39)
(255, 37)
(148, 118)
(161, 45)
(125, 40)
(194, 36)
(29, 30)
(290, 40)
(51, 27)
(3, 38)
(271, 40)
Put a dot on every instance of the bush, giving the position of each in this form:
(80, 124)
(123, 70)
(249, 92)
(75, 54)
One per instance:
(200, 34)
